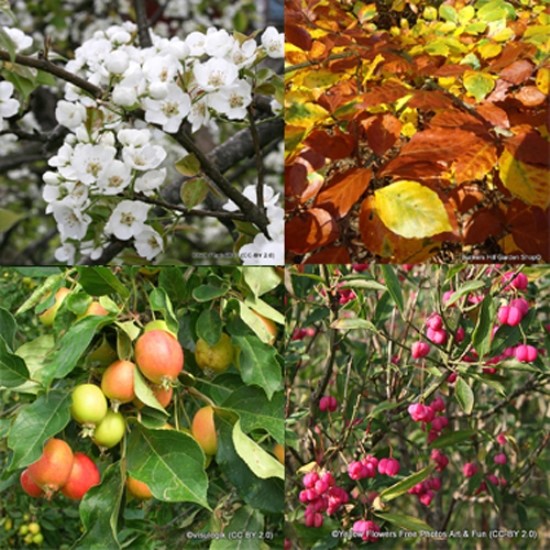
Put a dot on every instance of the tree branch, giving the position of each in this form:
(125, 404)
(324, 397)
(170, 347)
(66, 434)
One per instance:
(143, 24)
(56, 70)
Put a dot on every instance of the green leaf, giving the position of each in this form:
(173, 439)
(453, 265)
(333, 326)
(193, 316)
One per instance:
(50, 285)
(478, 84)
(261, 279)
(245, 520)
(404, 521)
(171, 463)
(252, 321)
(496, 10)
(71, 346)
(262, 464)
(8, 218)
(258, 364)
(256, 412)
(363, 284)
(7, 327)
(13, 371)
(466, 288)
(453, 438)
(481, 336)
(160, 301)
(381, 407)
(464, 395)
(353, 324)
(193, 192)
(99, 512)
(266, 495)
(98, 281)
(6, 43)
(264, 309)
(189, 165)
(209, 326)
(208, 292)
(144, 392)
(394, 286)
(405, 484)
(448, 13)
(35, 423)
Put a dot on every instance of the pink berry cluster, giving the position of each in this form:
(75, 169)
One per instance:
(425, 491)
(366, 529)
(301, 333)
(370, 465)
(440, 459)
(321, 495)
(435, 331)
(328, 403)
(513, 313)
(428, 414)
(518, 282)
(359, 268)
(346, 295)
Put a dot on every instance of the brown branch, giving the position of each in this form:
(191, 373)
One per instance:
(259, 161)
(56, 70)
(143, 24)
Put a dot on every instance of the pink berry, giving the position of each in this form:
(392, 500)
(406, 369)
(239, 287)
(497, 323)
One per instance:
(434, 321)
(328, 403)
(440, 422)
(438, 337)
(310, 479)
(501, 439)
(526, 354)
(500, 459)
(389, 466)
(510, 315)
(434, 483)
(359, 268)
(451, 379)
(469, 469)
(366, 529)
(420, 349)
(447, 297)
(420, 412)
(460, 335)
(440, 459)
(492, 478)
(356, 470)
(426, 498)
(519, 282)
(438, 405)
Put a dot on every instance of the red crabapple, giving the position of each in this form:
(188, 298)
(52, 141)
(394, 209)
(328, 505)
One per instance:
(492, 478)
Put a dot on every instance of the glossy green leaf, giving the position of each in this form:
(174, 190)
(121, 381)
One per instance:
(209, 326)
(464, 395)
(171, 463)
(258, 364)
(482, 334)
(189, 165)
(160, 301)
(193, 192)
(403, 521)
(394, 286)
(208, 292)
(262, 464)
(35, 424)
(144, 392)
(450, 439)
(353, 324)
(13, 371)
(261, 279)
(256, 412)
(7, 327)
(98, 281)
(405, 484)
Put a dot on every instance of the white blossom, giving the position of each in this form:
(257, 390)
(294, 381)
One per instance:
(8, 105)
(148, 243)
(115, 178)
(150, 181)
(19, 38)
(128, 219)
(89, 161)
(66, 253)
(169, 111)
(70, 114)
(71, 221)
(232, 101)
(144, 158)
(215, 73)
(274, 42)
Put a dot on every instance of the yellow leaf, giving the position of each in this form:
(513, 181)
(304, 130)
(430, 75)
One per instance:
(411, 210)
(543, 80)
(489, 50)
(478, 84)
(528, 182)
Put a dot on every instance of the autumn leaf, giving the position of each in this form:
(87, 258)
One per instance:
(411, 210)
(310, 230)
(528, 182)
(478, 85)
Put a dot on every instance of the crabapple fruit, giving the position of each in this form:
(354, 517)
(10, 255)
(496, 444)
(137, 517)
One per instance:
(159, 356)
(47, 317)
(117, 382)
(51, 471)
(84, 475)
(89, 405)
(216, 358)
(110, 430)
(138, 489)
(29, 486)
(203, 429)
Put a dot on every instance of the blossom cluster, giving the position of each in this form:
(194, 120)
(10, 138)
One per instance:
(8, 105)
(106, 169)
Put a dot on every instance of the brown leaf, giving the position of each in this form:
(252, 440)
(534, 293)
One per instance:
(476, 161)
(530, 96)
(382, 131)
(337, 145)
(330, 255)
(310, 230)
(387, 93)
(518, 71)
(530, 228)
(493, 114)
(465, 197)
(344, 191)
(529, 147)
(482, 225)
(297, 35)
(430, 100)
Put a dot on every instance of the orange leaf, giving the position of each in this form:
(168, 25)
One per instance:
(333, 146)
(530, 96)
(382, 132)
(310, 230)
(518, 71)
(529, 147)
(344, 191)
(476, 161)
(298, 36)
(330, 255)
(482, 225)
